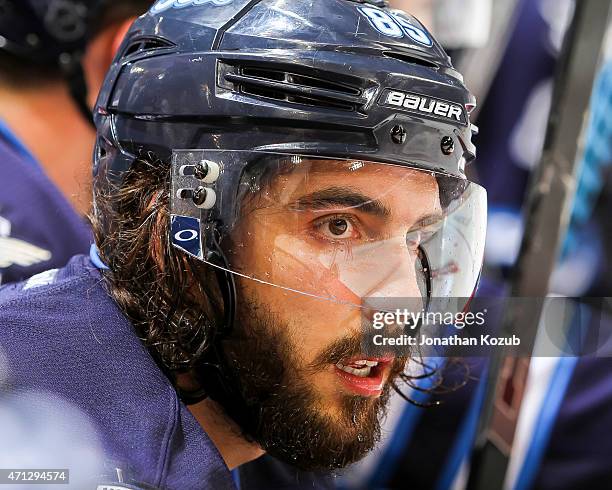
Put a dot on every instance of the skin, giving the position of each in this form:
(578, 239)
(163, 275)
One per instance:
(224, 434)
(46, 119)
(318, 246)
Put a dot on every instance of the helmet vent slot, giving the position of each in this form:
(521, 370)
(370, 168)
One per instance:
(145, 44)
(408, 58)
(264, 74)
(295, 88)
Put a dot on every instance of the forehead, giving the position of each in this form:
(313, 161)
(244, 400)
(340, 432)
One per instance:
(391, 184)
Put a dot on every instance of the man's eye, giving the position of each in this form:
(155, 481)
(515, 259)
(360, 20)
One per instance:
(337, 228)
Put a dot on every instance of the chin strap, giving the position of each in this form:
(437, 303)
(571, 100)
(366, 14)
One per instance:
(210, 368)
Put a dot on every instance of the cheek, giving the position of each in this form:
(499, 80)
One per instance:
(298, 265)
(317, 323)
(349, 273)
(293, 263)
(312, 324)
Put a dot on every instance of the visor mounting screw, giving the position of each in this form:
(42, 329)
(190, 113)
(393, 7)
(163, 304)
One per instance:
(398, 134)
(204, 198)
(199, 196)
(205, 171)
(447, 145)
(201, 170)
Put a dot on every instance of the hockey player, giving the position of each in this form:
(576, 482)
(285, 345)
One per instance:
(261, 175)
(53, 58)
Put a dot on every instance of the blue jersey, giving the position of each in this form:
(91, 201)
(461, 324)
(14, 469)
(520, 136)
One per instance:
(63, 338)
(39, 229)
(61, 333)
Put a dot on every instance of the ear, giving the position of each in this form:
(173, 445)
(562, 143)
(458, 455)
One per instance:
(120, 34)
(100, 53)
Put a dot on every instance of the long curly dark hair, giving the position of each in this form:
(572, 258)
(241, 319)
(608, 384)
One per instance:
(151, 281)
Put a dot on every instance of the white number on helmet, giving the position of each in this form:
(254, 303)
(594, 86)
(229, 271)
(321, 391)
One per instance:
(382, 22)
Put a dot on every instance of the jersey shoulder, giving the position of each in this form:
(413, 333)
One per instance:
(39, 229)
(42, 288)
(60, 332)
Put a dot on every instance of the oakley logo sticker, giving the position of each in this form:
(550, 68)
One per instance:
(163, 5)
(185, 234)
(392, 25)
(427, 106)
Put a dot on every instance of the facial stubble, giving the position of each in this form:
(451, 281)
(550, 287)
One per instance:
(281, 408)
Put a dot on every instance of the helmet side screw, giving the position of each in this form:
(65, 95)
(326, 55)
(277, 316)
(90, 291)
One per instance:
(206, 171)
(199, 196)
(447, 145)
(201, 170)
(204, 198)
(398, 134)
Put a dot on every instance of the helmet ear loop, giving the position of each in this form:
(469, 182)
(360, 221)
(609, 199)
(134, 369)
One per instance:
(430, 371)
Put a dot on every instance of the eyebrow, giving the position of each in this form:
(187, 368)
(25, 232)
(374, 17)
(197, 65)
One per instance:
(343, 197)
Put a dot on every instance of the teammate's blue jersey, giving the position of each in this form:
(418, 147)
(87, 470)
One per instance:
(39, 229)
(61, 333)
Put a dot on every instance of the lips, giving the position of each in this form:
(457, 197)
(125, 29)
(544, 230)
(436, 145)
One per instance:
(364, 376)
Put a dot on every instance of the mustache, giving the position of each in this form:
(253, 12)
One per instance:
(337, 351)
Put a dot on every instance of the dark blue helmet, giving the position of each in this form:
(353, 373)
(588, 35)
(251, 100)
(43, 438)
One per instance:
(47, 32)
(54, 34)
(221, 86)
(336, 77)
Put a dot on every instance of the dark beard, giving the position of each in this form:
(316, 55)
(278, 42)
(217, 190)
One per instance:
(276, 406)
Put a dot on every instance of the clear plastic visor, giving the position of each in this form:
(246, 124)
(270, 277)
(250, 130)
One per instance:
(339, 229)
